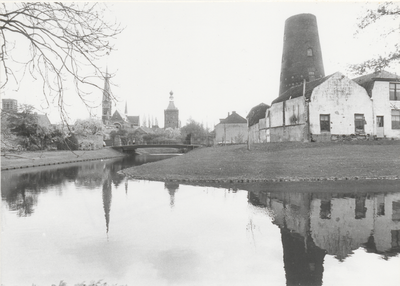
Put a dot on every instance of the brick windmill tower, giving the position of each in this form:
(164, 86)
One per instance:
(302, 56)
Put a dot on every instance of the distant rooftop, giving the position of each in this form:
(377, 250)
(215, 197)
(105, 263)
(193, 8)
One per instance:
(233, 118)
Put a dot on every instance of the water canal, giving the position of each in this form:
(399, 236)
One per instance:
(85, 222)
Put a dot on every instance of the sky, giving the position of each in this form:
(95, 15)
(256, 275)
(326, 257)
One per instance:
(216, 57)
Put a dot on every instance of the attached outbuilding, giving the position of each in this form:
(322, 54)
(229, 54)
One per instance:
(257, 123)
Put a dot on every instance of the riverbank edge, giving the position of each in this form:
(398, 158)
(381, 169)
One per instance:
(387, 184)
(195, 167)
(30, 160)
(243, 181)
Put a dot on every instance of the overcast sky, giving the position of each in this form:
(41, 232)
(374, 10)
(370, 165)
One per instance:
(215, 57)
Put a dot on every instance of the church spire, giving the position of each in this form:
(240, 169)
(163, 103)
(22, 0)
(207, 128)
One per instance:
(126, 108)
(106, 104)
(107, 90)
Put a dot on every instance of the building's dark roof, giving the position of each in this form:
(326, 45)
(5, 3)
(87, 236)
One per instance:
(116, 117)
(297, 91)
(43, 120)
(233, 119)
(133, 120)
(367, 81)
(256, 113)
(144, 130)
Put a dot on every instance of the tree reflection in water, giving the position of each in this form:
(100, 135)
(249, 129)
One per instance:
(20, 189)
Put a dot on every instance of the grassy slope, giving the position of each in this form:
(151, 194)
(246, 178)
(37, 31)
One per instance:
(291, 161)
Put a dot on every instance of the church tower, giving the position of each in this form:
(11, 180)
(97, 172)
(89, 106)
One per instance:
(106, 104)
(302, 56)
(171, 114)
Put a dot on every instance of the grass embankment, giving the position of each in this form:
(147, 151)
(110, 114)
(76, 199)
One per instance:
(14, 160)
(275, 162)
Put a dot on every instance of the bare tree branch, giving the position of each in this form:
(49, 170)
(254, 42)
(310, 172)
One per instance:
(64, 40)
(371, 17)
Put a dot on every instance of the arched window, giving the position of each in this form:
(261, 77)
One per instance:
(309, 52)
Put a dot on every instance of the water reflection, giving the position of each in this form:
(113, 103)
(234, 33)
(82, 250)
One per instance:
(20, 188)
(315, 224)
(172, 188)
(86, 218)
(107, 196)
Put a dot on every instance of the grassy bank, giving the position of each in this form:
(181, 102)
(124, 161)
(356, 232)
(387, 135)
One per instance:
(14, 160)
(275, 162)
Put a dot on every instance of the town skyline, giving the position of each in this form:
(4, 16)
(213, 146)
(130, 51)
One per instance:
(215, 57)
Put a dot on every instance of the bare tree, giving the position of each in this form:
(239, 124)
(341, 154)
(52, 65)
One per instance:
(65, 41)
(385, 10)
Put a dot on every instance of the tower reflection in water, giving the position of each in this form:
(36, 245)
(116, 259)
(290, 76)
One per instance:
(172, 188)
(315, 224)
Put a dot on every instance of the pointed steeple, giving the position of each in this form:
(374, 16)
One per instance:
(126, 108)
(107, 90)
(171, 105)
(106, 104)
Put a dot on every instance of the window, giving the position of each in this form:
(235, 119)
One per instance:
(324, 122)
(396, 211)
(325, 209)
(395, 239)
(380, 200)
(309, 52)
(359, 123)
(379, 121)
(360, 210)
(395, 119)
(394, 89)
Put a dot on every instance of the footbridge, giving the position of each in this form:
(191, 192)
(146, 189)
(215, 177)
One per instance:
(132, 148)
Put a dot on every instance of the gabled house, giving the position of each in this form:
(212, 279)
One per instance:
(321, 110)
(384, 90)
(232, 129)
